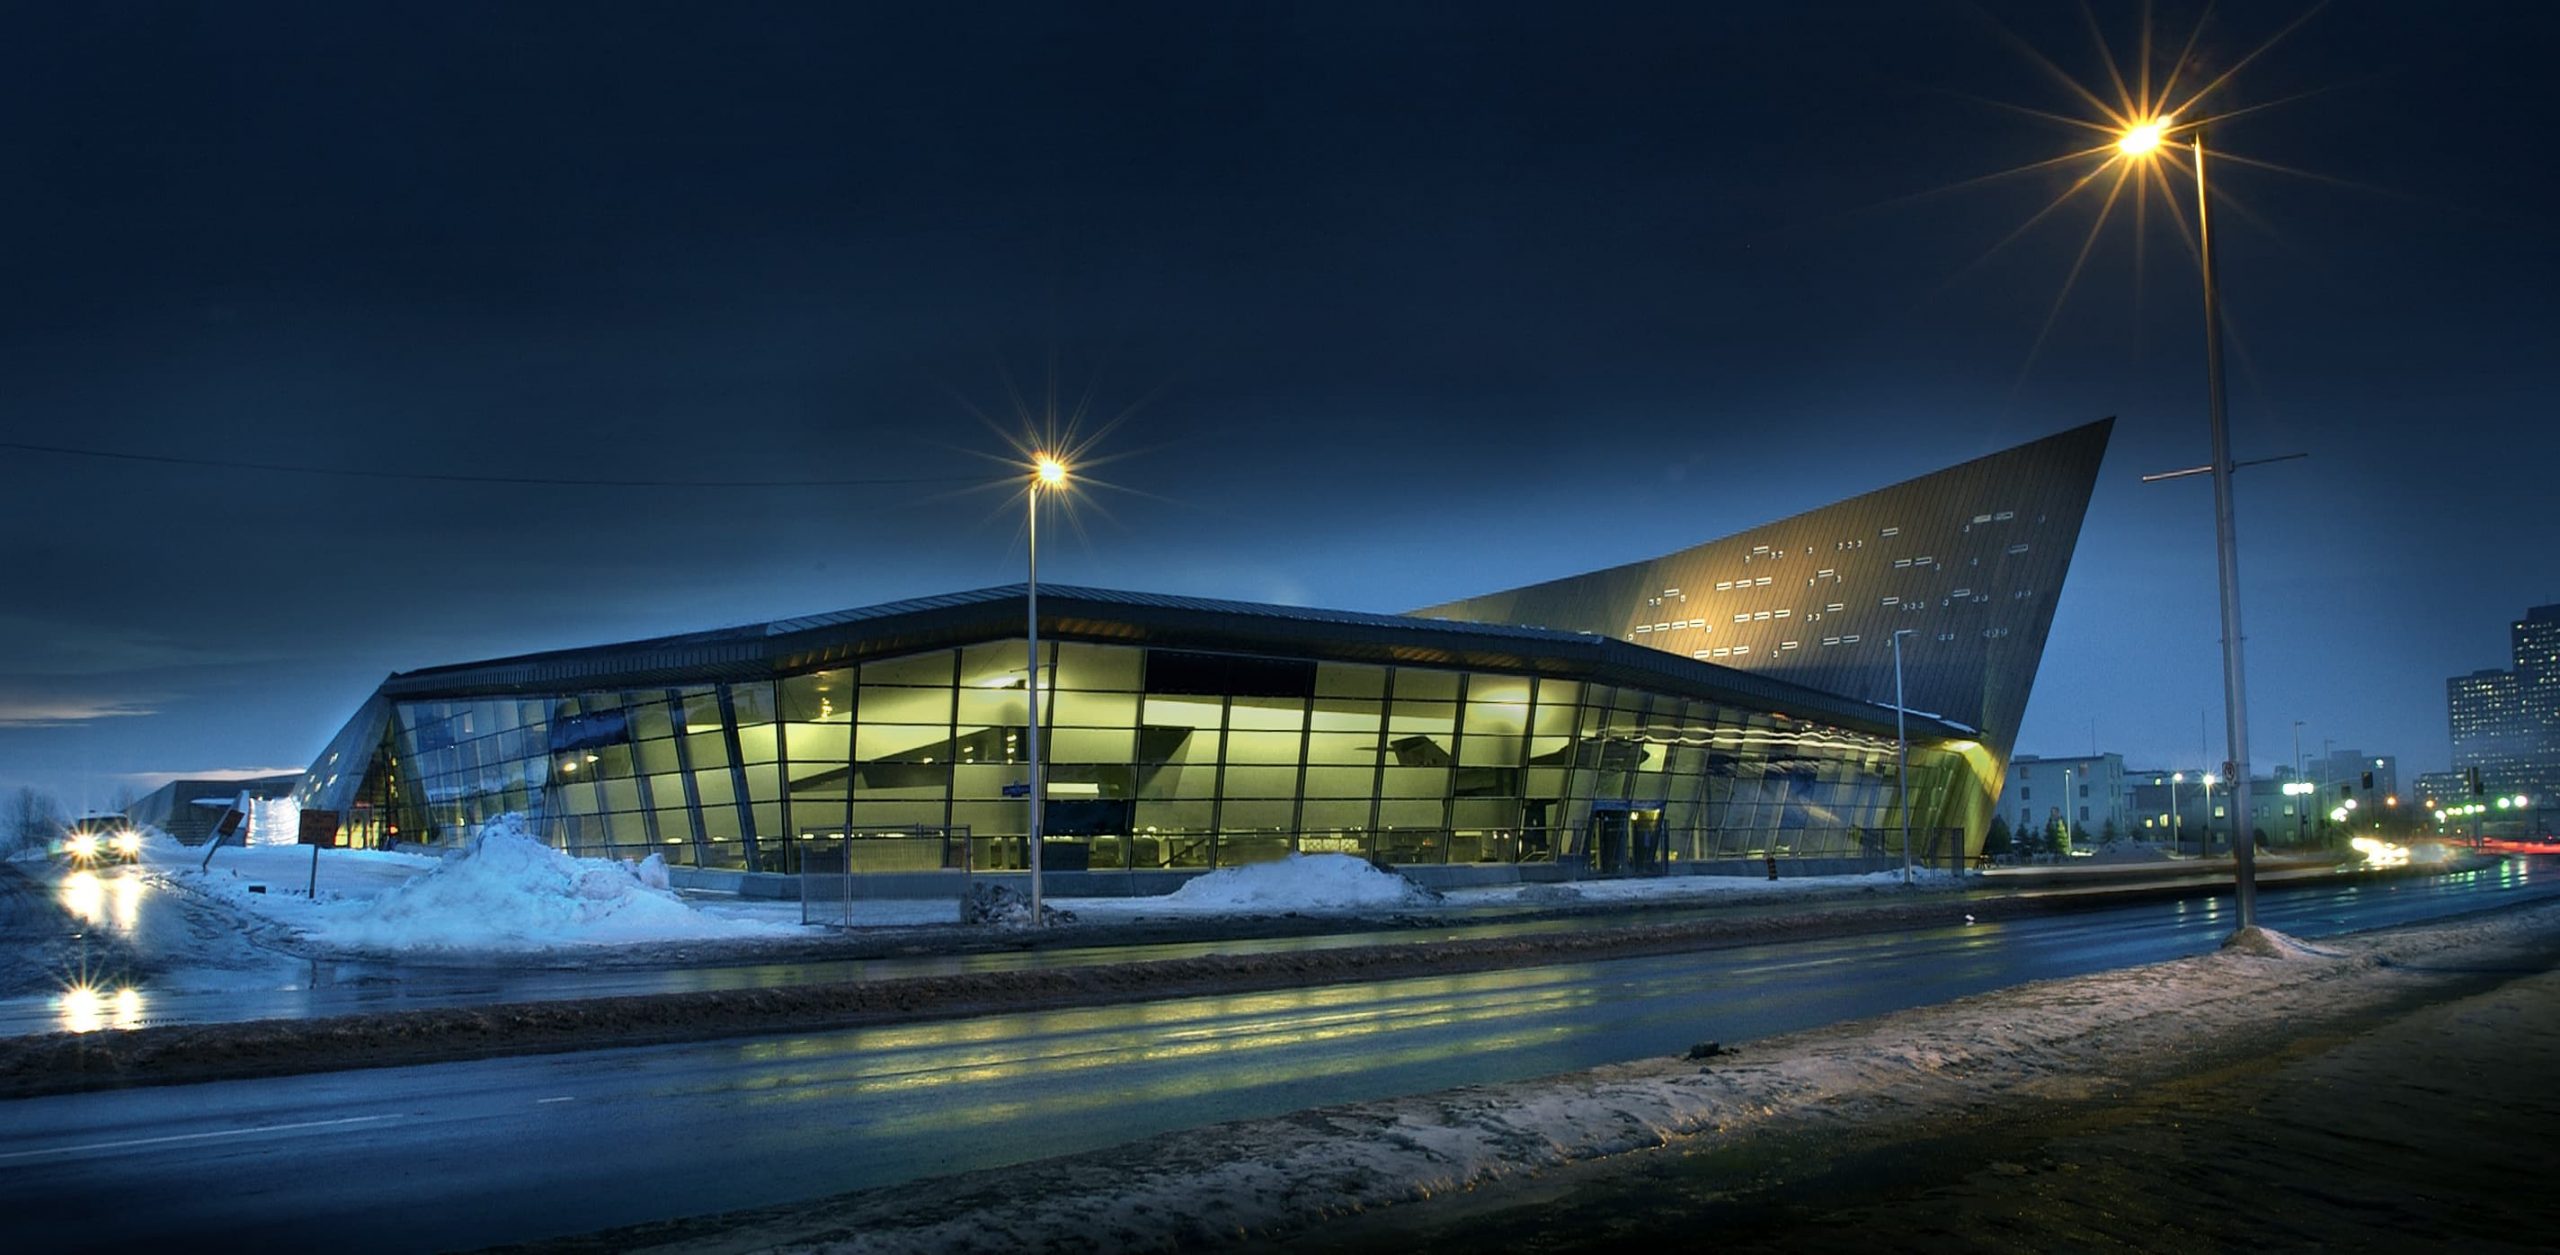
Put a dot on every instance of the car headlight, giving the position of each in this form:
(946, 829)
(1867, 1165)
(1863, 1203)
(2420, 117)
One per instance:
(128, 843)
(84, 846)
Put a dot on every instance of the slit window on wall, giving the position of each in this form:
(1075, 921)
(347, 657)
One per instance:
(2020, 547)
(1788, 644)
(1890, 531)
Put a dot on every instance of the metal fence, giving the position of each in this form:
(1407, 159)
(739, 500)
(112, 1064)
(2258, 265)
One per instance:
(841, 871)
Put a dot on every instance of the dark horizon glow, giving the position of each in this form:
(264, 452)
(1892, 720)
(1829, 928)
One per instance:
(717, 317)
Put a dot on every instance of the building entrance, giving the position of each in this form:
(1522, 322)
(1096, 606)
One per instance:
(1624, 837)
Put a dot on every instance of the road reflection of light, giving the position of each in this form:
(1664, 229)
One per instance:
(86, 1010)
(108, 902)
(1223, 1027)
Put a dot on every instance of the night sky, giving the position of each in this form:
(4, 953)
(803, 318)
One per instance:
(1410, 302)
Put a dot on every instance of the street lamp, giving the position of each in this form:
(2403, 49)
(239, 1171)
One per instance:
(2176, 842)
(1048, 474)
(2143, 139)
(1902, 753)
(2204, 843)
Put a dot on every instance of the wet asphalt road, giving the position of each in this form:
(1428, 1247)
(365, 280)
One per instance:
(467, 1154)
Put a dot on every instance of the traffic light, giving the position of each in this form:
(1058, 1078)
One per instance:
(2474, 773)
(2368, 782)
(2345, 789)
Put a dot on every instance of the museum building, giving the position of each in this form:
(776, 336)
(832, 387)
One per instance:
(1733, 700)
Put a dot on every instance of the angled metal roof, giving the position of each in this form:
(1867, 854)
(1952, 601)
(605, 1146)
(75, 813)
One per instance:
(1067, 612)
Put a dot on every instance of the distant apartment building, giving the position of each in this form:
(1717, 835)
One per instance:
(2506, 723)
(2087, 794)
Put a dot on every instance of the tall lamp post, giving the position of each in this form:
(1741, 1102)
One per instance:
(1047, 474)
(1902, 752)
(2141, 140)
(2204, 840)
(2177, 841)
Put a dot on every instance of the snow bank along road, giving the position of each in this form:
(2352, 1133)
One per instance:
(481, 1019)
(462, 1154)
(2044, 1044)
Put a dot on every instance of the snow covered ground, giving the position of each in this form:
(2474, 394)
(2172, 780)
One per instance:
(2065, 1040)
(503, 890)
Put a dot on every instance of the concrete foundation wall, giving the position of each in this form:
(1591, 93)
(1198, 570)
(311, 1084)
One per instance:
(1154, 882)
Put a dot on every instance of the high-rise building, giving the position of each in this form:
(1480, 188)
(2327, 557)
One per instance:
(2506, 723)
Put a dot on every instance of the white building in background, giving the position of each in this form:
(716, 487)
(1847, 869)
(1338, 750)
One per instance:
(2087, 794)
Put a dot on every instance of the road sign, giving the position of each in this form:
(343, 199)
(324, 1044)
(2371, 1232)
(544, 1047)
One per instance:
(1017, 790)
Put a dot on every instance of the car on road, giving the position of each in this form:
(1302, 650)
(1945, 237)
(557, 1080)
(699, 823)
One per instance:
(94, 839)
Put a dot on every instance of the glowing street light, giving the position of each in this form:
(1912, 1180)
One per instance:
(1048, 474)
(2144, 139)
(2140, 138)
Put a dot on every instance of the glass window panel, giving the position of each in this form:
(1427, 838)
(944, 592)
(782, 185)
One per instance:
(715, 788)
(1553, 719)
(1091, 710)
(764, 782)
(651, 719)
(906, 705)
(1342, 679)
(995, 708)
(1498, 718)
(1341, 781)
(817, 743)
(609, 761)
(1178, 782)
(707, 749)
(1100, 668)
(1489, 751)
(1267, 713)
(1320, 814)
(987, 780)
(622, 795)
(1171, 816)
(1177, 745)
(1261, 781)
(758, 743)
(1194, 712)
(701, 709)
(1342, 748)
(818, 697)
(992, 819)
(993, 665)
(877, 813)
(1409, 814)
(1512, 690)
(875, 742)
(1344, 714)
(1486, 812)
(1263, 748)
(1422, 718)
(1418, 682)
(1414, 782)
(1234, 815)
(656, 756)
(1086, 745)
(752, 702)
(769, 820)
(933, 669)
(675, 822)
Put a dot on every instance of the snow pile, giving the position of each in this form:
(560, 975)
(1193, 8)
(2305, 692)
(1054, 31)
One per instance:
(503, 890)
(507, 890)
(1300, 882)
(2267, 943)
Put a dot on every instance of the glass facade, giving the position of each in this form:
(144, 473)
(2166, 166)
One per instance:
(1156, 758)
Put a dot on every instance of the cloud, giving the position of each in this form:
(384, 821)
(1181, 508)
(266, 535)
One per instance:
(38, 646)
(154, 779)
(59, 712)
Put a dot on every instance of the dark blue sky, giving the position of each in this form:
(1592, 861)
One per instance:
(1430, 300)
